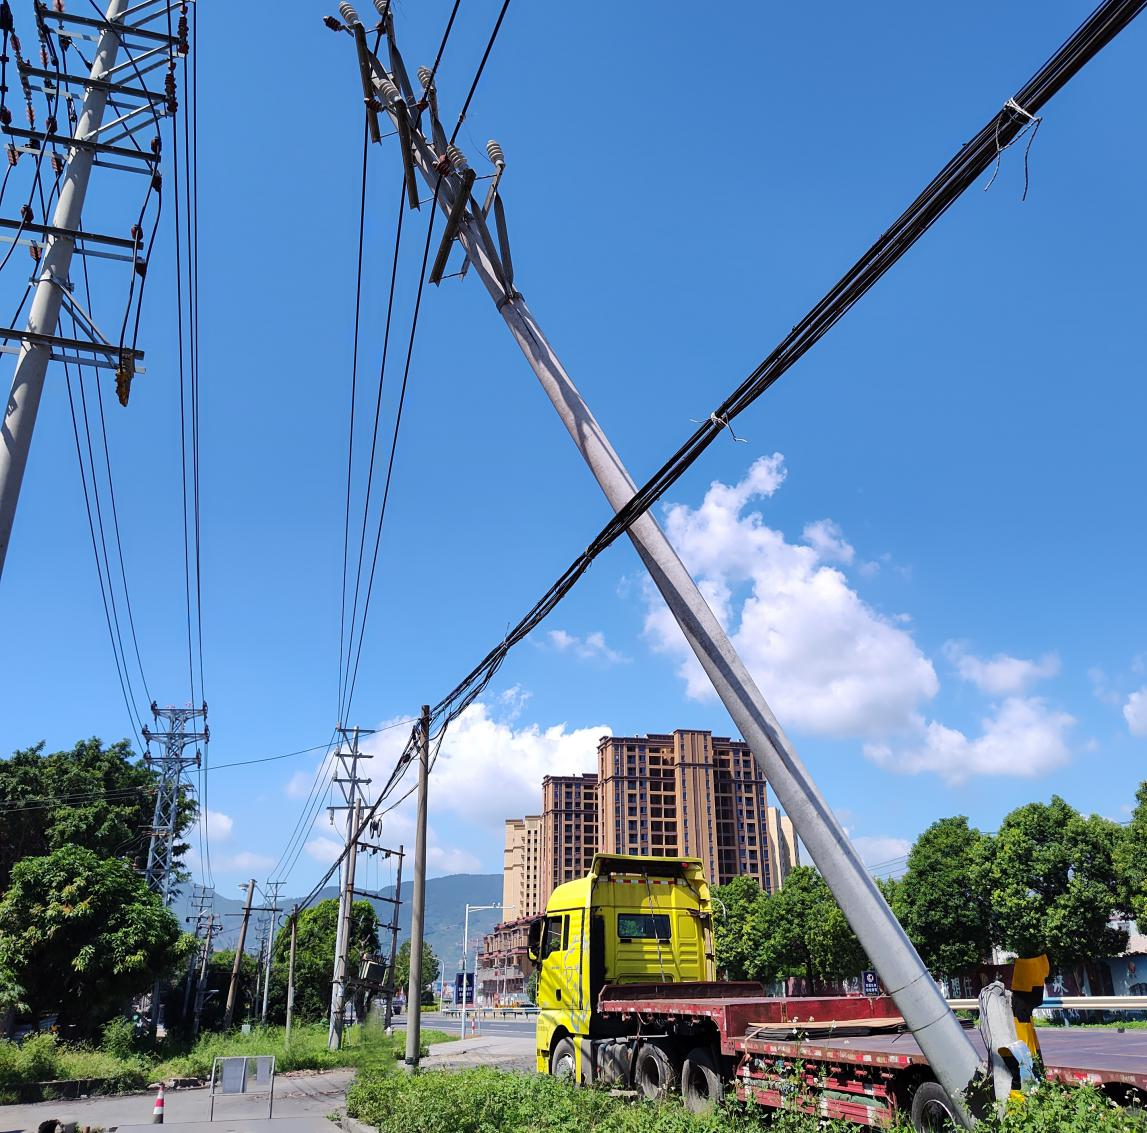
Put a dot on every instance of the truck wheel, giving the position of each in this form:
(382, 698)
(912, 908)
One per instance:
(701, 1085)
(654, 1074)
(563, 1064)
(932, 1112)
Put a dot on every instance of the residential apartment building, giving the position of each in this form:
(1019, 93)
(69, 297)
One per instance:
(569, 830)
(522, 867)
(784, 853)
(688, 793)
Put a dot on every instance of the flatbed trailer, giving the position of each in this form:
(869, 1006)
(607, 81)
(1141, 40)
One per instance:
(847, 1057)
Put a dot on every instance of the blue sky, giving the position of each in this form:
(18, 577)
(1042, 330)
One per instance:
(929, 549)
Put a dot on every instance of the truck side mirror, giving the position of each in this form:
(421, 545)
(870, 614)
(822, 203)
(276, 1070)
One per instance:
(534, 940)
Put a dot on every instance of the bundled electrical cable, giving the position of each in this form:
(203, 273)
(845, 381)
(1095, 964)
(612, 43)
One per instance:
(1018, 115)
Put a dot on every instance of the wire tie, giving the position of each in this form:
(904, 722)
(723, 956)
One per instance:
(1032, 124)
(722, 423)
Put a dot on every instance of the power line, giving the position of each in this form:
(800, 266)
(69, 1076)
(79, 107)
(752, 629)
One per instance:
(393, 448)
(354, 398)
(969, 163)
(345, 661)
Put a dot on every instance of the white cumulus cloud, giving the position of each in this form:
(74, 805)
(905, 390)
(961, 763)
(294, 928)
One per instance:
(1025, 737)
(826, 538)
(1135, 712)
(1001, 675)
(882, 850)
(592, 647)
(828, 663)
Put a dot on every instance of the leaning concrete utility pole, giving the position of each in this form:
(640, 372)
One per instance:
(28, 380)
(418, 897)
(948, 1049)
(229, 1011)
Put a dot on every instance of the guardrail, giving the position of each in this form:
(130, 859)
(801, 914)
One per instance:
(1071, 1003)
(490, 1012)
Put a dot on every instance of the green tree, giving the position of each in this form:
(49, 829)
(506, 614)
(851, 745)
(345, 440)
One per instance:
(941, 900)
(314, 957)
(91, 796)
(735, 907)
(431, 966)
(82, 934)
(1054, 883)
(801, 931)
(1132, 860)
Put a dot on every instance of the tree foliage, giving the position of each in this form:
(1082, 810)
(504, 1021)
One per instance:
(797, 931)
(942, 902)
(1132, 858)
(431, 967)
(91, 796)
(1054, 883)
(314, 957)
(81, 934)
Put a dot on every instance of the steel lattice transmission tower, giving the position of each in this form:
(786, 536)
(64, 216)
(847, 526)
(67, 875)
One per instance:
(171, 764)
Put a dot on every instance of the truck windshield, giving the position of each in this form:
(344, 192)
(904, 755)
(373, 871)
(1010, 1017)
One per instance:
(643, 926)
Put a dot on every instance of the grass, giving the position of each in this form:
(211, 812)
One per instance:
(495, 1101)
(43, 1058)
(363, 1048)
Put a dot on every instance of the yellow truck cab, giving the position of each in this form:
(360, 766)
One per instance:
(631, 920)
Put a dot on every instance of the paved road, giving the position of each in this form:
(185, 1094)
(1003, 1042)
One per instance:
(512, 1028)
(302, 1102)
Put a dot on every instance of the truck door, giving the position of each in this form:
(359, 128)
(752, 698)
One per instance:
(560, 982)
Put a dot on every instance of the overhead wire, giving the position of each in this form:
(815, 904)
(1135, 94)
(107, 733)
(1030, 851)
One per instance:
(353, 401)
(969, 163)
(967, 166)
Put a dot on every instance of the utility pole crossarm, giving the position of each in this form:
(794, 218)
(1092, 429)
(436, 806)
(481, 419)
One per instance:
(108, 84)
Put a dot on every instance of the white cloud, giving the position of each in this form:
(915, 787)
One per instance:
(324, 848)
(590, 647)
(299, 785)
(828, 663)
(1024, 738)
(244, 860)
(881, 850)
(826, 538)
(1002, 675)
(216, 825)
(487, 770)
(1135, 712)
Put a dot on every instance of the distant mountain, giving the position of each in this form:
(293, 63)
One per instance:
(446, 899)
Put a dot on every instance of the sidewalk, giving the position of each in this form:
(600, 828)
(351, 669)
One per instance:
(302, 1102)
(507, 1052)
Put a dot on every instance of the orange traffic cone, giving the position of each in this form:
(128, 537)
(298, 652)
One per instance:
(157, 1111)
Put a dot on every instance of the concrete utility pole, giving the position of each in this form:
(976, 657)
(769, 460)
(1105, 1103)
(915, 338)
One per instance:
(350, 783)
(272, 892)
(201, 985)
(39, 341)
(291, 975)
(202, 898)
(389, 1009)
(342, 961)
(229, 1011)
(948, 1049)
(418, 897)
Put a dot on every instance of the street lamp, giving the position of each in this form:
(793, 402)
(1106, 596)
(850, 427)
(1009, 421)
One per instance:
(466, 953)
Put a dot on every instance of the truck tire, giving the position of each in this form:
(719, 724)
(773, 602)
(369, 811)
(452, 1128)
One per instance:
(932, 1112)
(654, 1073)
(563, 1061)
(701, 1085)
